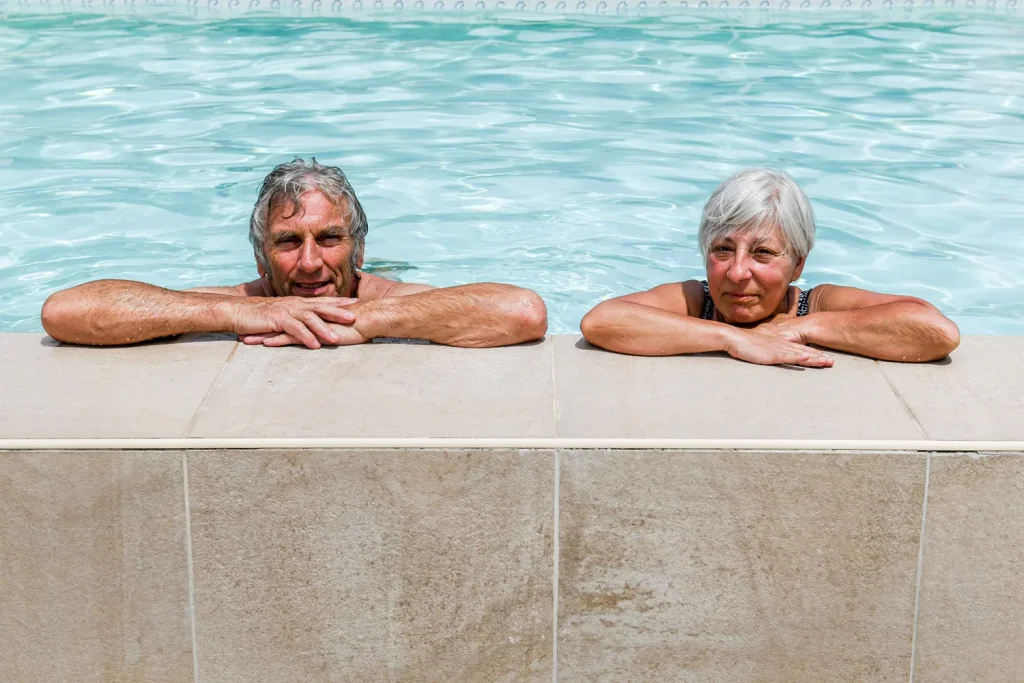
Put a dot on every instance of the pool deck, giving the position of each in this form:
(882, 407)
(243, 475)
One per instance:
(199, 510)
(560, 388)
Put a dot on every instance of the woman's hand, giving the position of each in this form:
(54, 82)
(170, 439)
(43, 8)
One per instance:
(775, 343)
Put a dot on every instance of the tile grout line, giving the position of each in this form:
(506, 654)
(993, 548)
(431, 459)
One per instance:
(903, 401)
(554, 389)
(920, 565)
(191, 575)
(206, 396)
(554, 573)
(556, 551)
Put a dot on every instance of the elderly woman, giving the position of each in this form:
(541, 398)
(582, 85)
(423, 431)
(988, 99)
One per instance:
(755, 234)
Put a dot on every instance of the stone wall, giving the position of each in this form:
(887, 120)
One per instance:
(427, 565)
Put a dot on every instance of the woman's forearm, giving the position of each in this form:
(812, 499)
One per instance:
(107, 312)
(640, 330)
(478, 315)
(905, 331)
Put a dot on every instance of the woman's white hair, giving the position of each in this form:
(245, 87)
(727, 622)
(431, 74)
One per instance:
(759, 199)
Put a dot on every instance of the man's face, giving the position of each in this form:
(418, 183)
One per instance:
(309, 249)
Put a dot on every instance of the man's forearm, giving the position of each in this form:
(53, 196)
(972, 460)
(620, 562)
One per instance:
(108, 312)
(478, 315)
(901, 331)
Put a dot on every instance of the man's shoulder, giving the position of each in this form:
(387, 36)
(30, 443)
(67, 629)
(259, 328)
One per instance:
(260, 287)
(375, 287)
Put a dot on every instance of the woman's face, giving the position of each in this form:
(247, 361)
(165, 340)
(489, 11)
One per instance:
(749, 274)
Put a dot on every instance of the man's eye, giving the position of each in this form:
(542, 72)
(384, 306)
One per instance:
(721, 249)
(330, 240)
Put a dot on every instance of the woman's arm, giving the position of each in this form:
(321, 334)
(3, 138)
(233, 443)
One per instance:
(658, 323)
(881, 326)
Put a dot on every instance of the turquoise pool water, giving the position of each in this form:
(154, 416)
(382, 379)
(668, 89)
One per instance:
(571, 155)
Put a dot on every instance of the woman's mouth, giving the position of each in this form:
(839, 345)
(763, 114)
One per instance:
(311, 288)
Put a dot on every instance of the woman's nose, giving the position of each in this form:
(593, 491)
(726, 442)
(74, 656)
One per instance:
(739, 269)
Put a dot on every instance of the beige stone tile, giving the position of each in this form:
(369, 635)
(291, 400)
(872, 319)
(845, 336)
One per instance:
(602, 394)
(977, 394)
(57, 391)
(383, 390)
(971, 622)
(737, 566)
(93, 568)
(373, 566)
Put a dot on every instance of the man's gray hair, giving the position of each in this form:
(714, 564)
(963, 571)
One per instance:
(759, 199)
(287, 183)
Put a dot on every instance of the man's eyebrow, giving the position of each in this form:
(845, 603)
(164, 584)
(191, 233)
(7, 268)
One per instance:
(283, 236)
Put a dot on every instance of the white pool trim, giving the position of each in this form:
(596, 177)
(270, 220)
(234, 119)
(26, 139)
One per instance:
(381, 9)
(442, 443)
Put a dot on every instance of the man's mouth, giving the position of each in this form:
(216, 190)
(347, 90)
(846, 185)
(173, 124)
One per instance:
(311, 288)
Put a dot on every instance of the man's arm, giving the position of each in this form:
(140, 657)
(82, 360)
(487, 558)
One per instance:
(881, 326)
(477, 315)
(107, 312)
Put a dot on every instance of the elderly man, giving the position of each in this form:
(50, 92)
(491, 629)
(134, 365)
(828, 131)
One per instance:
(307, 230)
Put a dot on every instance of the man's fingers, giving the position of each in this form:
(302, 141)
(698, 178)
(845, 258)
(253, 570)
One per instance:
(318, 327)
(299, 332)
(280, 340)
(336, 315)
(256, 338)
(336, 300)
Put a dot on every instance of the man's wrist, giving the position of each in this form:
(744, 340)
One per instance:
(224, 315)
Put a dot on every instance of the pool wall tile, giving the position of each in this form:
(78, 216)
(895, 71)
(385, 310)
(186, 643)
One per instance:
(56, 391)
(971, 623)
(373, 566)
(737, 566)
(707, 396)
(93, 568)
(975, 394)
(383, 390)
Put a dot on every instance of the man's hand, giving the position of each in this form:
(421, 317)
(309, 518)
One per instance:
(279, 321)
(345, 335)
(775, 344)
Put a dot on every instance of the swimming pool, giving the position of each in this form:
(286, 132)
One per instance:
(570, 154)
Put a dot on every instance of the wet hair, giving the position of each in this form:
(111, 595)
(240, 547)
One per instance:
(287, 183)
(760, 200)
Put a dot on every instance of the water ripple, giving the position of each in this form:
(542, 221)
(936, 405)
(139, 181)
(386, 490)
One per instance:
(571, 156)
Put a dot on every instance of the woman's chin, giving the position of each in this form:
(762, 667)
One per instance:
(743, 316)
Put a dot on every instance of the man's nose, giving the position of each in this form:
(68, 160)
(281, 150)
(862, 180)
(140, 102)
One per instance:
(310, 259)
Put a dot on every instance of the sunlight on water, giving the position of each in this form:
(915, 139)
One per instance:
(569, 156)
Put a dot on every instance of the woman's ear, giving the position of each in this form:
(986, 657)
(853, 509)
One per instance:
(798, 270)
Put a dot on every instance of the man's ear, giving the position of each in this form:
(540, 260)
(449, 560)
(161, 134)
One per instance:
(799, 269)
(260, 269)
(359, 261)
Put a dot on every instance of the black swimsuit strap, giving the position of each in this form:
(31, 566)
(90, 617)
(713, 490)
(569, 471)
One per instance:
(707, 310)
